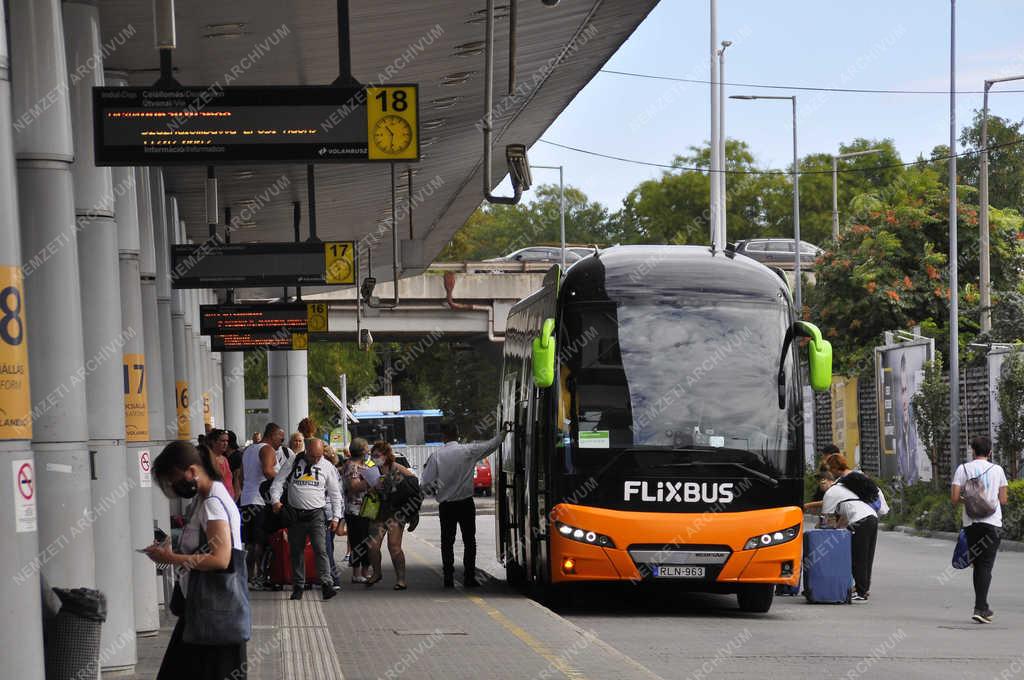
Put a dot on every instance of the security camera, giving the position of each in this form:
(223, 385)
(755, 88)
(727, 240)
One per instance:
(365, 337)
(366, 290)
(518, 166)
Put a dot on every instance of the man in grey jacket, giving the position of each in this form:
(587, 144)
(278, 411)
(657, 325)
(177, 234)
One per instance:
(448, 476)
(311, 484)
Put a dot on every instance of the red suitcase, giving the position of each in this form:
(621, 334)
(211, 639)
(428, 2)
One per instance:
(281, 560)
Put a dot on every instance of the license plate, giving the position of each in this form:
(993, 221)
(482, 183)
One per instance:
(678, 571)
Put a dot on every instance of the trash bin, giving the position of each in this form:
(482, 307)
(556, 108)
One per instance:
(74, 649)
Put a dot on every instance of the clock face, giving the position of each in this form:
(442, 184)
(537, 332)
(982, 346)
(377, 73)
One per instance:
(392, 134)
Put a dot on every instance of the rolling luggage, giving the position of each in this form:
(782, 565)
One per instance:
(827, 566)
(281, 560)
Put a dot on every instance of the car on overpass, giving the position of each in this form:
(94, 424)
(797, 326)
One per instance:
(545, 254)
(777, 250)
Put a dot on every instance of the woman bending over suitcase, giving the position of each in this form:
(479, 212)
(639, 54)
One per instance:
(855, 501)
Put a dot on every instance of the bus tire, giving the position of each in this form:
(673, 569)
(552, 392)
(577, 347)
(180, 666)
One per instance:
(756, 598)
(515, 576)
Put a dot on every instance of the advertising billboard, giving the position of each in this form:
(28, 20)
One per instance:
(900, 372)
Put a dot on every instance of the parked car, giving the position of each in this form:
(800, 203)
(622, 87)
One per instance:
(482, 478)
(544, 254)
(778, 251)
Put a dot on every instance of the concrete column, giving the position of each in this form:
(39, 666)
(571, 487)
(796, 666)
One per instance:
(233, 379)
(159, 346)
(181, 345)
(116, 371)
(288, 388)
(161, 247)
(20, 612)
(57, 363)
(195, 366)
(218, 388)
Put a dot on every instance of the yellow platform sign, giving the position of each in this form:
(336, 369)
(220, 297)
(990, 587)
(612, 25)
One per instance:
(300, 341)
(392, 123)
(316, 317)
(15, 402)
(136, 398)
(181, 399)
(339, 262)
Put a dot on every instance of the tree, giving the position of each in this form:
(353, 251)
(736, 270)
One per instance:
(494, 230)
(674, 208)
(1010, 397)
(325, 362)
(931, 414)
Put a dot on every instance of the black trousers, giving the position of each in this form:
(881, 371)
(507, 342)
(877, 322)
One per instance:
(359, 538)
(460, 514)
(201, 662)
(982, 546)
(865, 535)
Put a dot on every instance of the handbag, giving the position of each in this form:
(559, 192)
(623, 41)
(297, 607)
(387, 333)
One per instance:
(961, 552)
(371, 506)
(217, 608)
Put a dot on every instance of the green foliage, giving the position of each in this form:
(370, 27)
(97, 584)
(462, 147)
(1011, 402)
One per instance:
(1005, 158)
(1010, 397)
(255, 364)
(495, 230)
(931, 414)
(327, 361)
(1013, 513)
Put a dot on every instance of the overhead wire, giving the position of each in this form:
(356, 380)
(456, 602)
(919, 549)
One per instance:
(935, 159)
(805, 88)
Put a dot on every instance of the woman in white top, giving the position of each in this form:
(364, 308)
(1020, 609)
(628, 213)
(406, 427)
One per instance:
(183, 471)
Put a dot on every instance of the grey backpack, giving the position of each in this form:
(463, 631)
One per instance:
(973, 494)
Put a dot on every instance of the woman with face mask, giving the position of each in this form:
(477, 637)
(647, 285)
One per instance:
(184, 471)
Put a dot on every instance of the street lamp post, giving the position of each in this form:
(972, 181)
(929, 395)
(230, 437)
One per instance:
(983, 232)
(561, 207)
(796, 198)
(835, 186)
(714, 204)
(954, 290)
(721, 142)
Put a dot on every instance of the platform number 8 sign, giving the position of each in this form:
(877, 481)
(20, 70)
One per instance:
(15, 408)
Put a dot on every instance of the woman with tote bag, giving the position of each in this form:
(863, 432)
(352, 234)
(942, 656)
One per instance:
(211, 599)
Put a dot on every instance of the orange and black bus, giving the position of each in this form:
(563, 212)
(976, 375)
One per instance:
(655, 395)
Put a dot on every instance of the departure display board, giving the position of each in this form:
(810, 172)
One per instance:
(272, 317)
(214, 264)
(249, 342)
(274, 124)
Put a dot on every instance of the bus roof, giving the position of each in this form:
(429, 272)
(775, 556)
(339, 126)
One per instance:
(399, 414)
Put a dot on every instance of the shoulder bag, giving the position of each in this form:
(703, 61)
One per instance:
(217, 608)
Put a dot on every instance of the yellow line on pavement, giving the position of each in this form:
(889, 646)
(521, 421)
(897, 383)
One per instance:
(555, 662)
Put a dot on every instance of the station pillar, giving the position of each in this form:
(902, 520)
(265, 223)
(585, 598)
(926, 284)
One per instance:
(182, 397)
(57, 363)
(288, 388)
(233, 380)
(115, 366)
(20, 611)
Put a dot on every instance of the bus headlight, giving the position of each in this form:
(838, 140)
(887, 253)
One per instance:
(584, 535)
(772, 538)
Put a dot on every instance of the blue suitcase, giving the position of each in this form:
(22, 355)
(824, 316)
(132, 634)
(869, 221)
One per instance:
(827, 566)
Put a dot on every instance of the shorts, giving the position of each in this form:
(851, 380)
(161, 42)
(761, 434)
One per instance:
(253, 519)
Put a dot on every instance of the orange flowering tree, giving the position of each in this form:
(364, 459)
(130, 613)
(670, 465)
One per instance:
(889, 269)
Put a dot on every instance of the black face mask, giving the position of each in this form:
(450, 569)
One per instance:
(184, 488)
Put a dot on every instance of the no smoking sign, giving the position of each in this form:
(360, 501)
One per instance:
(24, 478)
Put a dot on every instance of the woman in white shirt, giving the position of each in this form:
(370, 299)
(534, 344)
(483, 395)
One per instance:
(858, 515)
(183, 471)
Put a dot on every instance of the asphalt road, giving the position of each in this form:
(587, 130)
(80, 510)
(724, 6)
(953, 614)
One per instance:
(916, 625)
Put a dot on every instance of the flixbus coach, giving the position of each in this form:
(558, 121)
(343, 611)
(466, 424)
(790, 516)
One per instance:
(655, 400)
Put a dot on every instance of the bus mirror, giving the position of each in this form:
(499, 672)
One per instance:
(819, 356)
(544, 355)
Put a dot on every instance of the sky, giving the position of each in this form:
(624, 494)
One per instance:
(875, 44)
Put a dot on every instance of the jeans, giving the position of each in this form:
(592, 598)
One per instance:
(309, 524)
(982, 546)
(461, 514)
(329, 539)
(865, 535)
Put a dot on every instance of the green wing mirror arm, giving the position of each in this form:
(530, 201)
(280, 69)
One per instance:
(543, 355)
(819, 355)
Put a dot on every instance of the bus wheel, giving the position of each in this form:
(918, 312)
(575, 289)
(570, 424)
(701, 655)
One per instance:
(756, 598)
(515, 576)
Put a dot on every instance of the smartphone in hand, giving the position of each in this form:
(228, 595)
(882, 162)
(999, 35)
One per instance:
(159, 536)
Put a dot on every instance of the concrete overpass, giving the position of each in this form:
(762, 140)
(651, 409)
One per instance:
(482, 292)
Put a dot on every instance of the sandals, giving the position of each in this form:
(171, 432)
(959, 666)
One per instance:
(400, 586)
(373, 581)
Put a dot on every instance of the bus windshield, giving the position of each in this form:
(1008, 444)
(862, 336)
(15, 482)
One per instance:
(671, 373)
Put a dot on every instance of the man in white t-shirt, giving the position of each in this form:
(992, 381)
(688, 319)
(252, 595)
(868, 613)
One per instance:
(982, 532)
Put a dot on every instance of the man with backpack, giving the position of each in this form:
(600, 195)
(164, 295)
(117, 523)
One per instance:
(981, 486)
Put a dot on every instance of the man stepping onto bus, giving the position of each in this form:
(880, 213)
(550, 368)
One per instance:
(448, 476)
